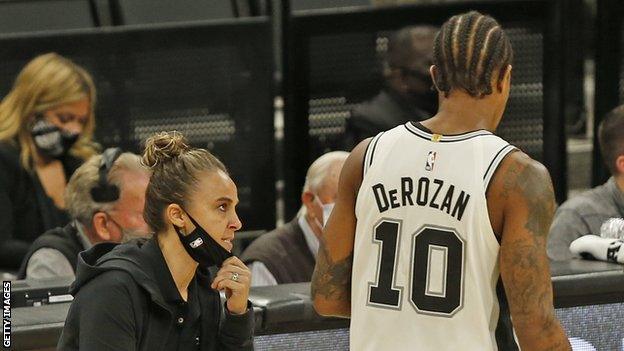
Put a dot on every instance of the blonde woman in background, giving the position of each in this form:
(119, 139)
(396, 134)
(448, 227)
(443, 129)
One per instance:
(46, 130)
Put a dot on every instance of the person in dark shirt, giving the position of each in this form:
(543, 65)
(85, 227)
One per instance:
(46, 130)
(407, 94)
(158, 294)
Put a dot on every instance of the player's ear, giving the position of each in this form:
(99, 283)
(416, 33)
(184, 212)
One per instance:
(504, 79)
(433, 72)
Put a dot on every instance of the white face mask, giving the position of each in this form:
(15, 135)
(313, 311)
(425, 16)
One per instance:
(131, 234)
(327, 210)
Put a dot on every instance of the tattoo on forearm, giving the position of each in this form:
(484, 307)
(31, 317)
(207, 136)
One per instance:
(527, 254)
(528, 284)
(529, 289)
(332, 280)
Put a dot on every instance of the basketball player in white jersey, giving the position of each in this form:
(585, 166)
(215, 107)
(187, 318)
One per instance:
(437, 240)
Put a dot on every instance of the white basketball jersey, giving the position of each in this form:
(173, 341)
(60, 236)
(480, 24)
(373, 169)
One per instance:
(425, 270)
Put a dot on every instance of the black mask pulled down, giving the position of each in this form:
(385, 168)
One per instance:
(51, 140)
(202, 247)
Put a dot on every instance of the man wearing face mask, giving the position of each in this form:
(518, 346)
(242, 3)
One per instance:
(287, 254)
(406, 94)
(105, 198)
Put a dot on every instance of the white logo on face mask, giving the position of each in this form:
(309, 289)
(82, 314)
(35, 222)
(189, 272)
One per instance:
(327, 210)
(196, 243)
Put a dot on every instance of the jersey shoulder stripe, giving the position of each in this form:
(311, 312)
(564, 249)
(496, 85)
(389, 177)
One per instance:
(370, 153)
(498, 158)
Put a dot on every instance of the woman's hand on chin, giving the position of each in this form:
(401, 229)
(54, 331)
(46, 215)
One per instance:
(235, 278)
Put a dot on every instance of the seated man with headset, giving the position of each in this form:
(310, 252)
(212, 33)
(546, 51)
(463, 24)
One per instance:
(105, 198)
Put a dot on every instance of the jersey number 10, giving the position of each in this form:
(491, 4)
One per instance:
(436, 269)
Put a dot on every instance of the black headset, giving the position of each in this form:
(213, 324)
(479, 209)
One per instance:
(103, 191)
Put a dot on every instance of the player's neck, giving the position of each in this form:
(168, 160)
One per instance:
(460, 113)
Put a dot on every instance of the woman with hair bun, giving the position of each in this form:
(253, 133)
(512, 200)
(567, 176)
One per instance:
(158, 294)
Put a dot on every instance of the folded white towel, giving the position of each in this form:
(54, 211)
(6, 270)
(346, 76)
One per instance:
(594, 247)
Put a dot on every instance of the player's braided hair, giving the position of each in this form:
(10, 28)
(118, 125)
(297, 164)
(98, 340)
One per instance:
(468, 51)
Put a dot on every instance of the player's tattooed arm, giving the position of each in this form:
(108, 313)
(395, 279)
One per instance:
(331, 281)
(526, 192)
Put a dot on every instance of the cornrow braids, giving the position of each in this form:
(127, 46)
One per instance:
(466, 30)
(440, 57)
(480, 44)
(470, 50)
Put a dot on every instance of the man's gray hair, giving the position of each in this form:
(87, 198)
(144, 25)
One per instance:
(320, 167)
(78, 200)
(318, 171)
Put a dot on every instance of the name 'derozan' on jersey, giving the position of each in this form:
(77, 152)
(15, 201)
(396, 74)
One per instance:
(428, 192)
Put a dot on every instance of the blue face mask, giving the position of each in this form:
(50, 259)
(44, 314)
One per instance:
(202, 247)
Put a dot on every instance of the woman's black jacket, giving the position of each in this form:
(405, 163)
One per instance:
(118, 304)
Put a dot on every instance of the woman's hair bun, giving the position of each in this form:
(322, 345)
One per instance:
(164, 146)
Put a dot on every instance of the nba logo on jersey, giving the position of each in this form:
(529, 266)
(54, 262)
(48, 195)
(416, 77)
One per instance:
(196, 243)
(430, 161)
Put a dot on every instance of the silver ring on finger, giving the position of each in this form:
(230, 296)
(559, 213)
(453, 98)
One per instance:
(234, 276)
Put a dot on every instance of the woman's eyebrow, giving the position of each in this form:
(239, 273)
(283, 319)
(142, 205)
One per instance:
(226, 199)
